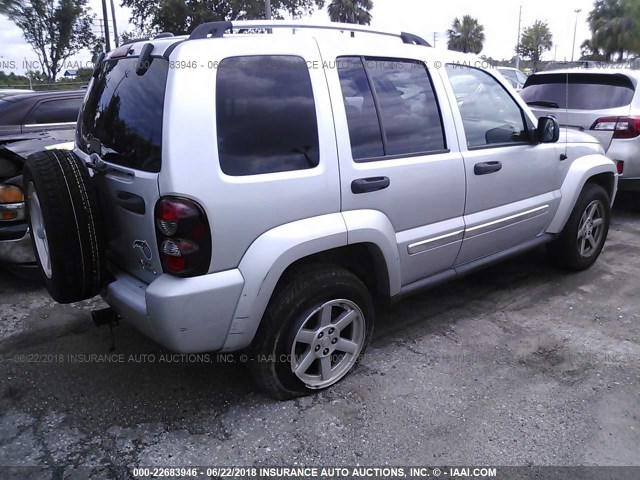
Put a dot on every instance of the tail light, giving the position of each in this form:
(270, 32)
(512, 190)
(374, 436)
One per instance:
(620, 167)
(622, 127)
(184, 238)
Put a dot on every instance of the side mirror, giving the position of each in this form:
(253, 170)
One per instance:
(548, 130)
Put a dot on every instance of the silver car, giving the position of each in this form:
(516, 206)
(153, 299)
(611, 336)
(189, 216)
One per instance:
(602, 102)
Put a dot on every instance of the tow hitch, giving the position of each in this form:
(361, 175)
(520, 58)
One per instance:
(107, 316)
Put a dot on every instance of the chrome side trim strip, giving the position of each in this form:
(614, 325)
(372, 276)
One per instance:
(430, 243)
(534, 212)
(441, 240)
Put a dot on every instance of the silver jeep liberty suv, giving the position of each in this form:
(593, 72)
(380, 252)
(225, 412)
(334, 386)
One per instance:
(254, 185)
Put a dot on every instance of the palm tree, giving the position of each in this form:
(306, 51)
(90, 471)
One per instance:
(615, 27)
(466, 36)
(351, 11)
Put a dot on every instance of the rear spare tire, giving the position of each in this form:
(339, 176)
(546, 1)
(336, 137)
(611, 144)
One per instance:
(65, 224)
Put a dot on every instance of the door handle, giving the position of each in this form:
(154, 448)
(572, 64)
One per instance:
(130, 202)
(372, 184)
(487, 168)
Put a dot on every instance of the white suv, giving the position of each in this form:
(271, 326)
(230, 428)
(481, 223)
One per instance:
(256, 190)
(604, 102)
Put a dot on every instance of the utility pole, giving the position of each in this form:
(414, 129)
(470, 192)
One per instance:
(518, 42)
(107, 44)
(575, 29)
(115, 27)
(267, 9)
(435, 38)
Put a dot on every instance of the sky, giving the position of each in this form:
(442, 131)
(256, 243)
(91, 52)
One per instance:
(421, 17)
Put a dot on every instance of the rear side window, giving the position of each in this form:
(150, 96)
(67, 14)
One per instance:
(266, 116)
(391, 108)
(122, 117)
(579, 91)
(55, 111)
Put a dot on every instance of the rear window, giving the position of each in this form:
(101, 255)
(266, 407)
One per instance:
(266, 115)
(122, 117)
(584, 91)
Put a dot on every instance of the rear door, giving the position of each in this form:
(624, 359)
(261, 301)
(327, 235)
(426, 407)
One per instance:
(121, 125)
(578, 100)
(398, 151)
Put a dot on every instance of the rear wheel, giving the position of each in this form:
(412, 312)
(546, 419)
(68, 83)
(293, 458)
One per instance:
(313, 333)
(584, 235)
(65, 225)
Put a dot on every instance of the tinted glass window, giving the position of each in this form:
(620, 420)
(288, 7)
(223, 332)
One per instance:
(407, 120)
(55, 111)
(489, 114)
(122, 118)
(362, 118)
(408, 107)
(266, 115)
(586, 91)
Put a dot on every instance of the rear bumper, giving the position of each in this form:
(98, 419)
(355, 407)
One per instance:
(185, 315)
(15, 245)
(627, 151)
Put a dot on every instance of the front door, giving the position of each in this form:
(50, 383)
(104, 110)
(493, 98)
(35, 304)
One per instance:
(512, 191)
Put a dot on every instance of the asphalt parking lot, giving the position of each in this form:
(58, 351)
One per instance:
(521, 364)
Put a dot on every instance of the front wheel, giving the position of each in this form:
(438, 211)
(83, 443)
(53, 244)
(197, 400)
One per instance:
(584, 235)
(313, 333)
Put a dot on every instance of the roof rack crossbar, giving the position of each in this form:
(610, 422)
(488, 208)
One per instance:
(216, 29)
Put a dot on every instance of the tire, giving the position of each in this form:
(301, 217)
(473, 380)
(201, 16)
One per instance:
(281, 344)
(593, 213)
(65, 225)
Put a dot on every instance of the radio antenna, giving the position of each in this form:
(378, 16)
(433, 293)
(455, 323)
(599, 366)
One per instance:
(566, 118)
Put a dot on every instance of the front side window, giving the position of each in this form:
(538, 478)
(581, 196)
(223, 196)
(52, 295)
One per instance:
(266, 115)
(391, 108)
(489, 115)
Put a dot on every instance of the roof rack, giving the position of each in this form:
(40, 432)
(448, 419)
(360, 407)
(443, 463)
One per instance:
(217, 29)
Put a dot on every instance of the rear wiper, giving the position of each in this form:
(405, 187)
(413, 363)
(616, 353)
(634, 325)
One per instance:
(542, 103)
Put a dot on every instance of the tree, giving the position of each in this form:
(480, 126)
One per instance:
(466, 36)
(182, 16)
(55, 29)
(535, 40)
(615, 27)
(589, 52)
(351, 11)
